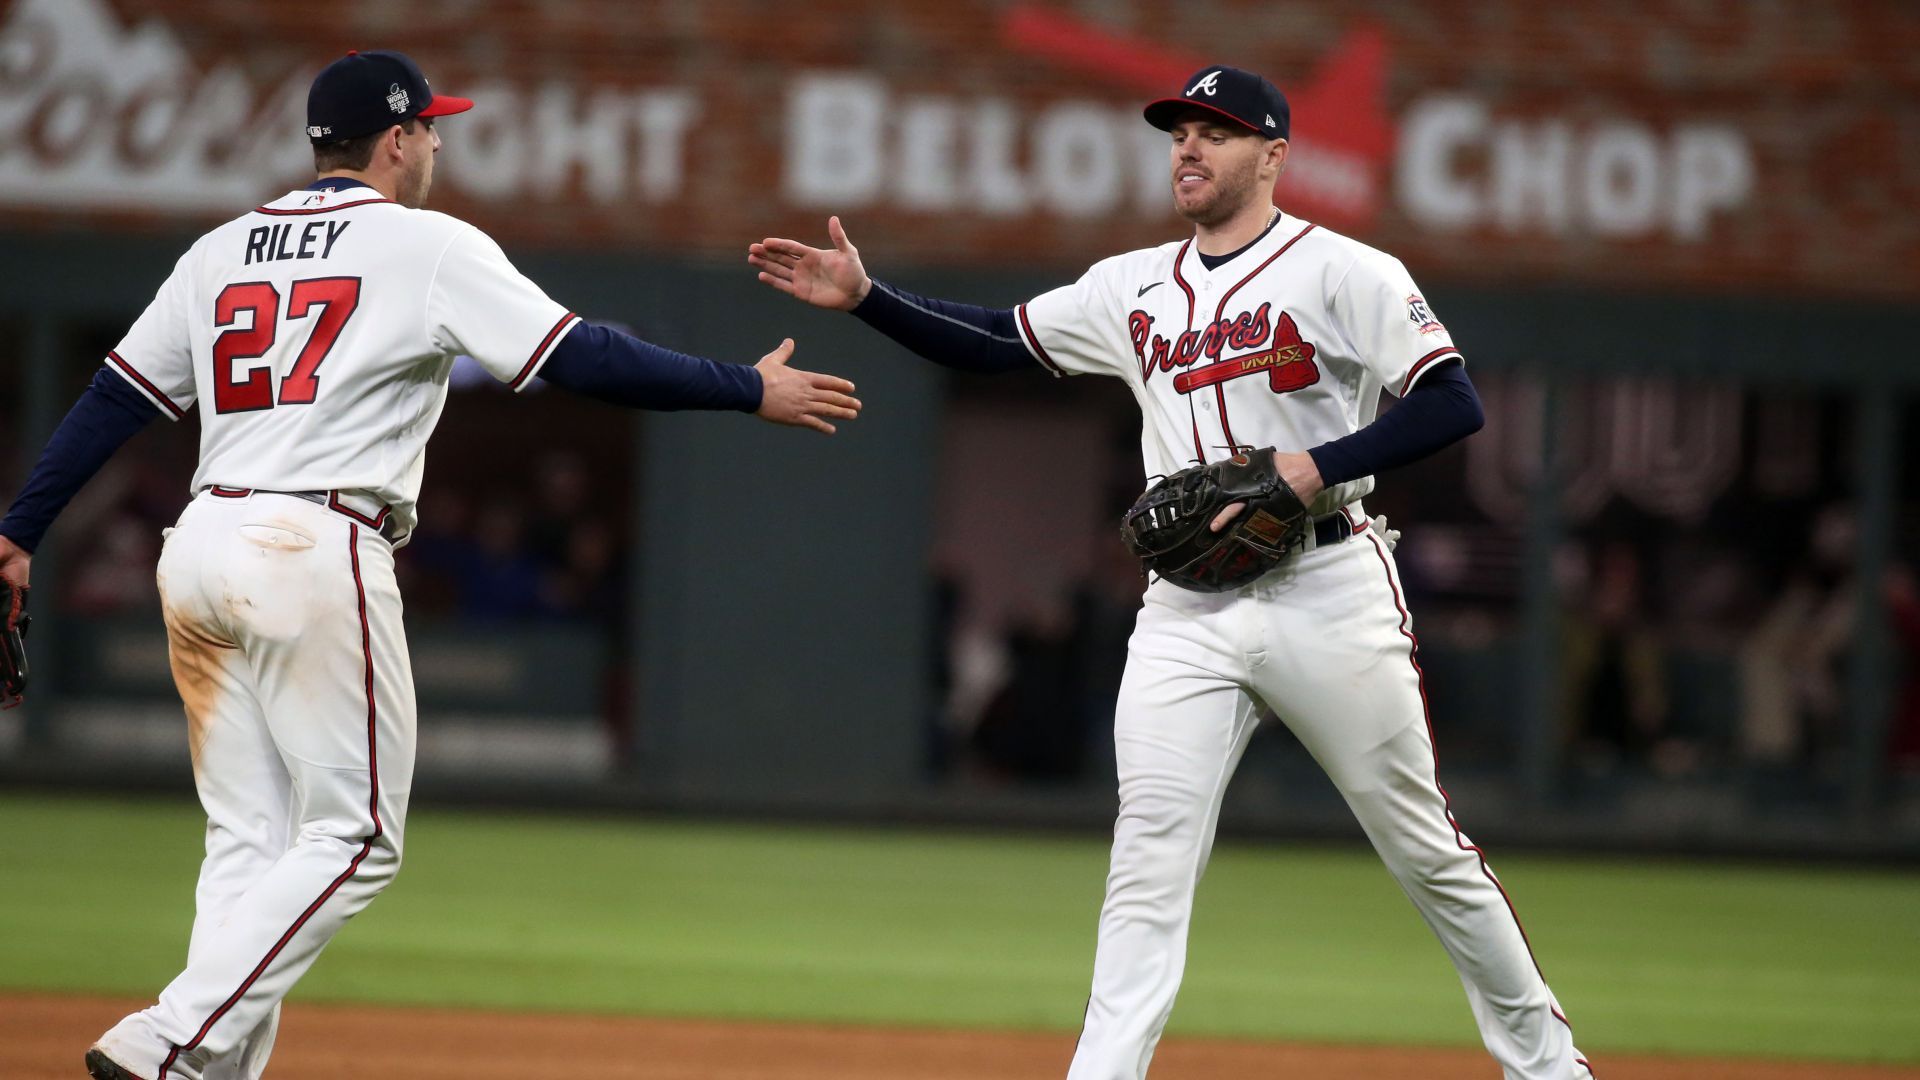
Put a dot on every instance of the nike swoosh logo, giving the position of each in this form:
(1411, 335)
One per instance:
(1144, 288)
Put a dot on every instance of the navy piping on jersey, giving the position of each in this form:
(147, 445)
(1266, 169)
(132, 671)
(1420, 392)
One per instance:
(1446, 801)
(1220, 389)
(152, 391)
(329, 183)
(1224, 297)
(540, 351)
(374, 523)
(1421, 363)
(1033, 341)
(320, 209)
(1180, 279)
(338, 183)
(366, 843)
(366, 651)
(1215, 262)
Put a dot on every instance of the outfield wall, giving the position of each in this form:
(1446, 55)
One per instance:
(919, 616)
(1668, 596)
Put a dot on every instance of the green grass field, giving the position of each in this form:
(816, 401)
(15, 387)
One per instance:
(971, 930)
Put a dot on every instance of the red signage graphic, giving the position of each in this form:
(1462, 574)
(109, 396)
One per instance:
(1337, 158)
(1582, 150)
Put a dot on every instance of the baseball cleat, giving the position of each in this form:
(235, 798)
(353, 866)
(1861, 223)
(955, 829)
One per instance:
(102, 1067)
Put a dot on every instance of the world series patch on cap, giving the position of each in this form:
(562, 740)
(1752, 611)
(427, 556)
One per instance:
(1241, 96)
(365, 92)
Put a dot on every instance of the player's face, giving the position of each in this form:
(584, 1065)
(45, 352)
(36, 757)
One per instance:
(1216, 170)
(417, 174)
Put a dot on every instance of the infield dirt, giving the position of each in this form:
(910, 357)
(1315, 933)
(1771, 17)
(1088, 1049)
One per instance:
(43, 1036)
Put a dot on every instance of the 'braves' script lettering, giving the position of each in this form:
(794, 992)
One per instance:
(1247, 330)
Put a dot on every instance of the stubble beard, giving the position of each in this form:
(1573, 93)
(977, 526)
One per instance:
(1230, 193)
(414, 184)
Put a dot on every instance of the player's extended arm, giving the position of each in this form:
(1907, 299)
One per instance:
(1440, 410)
(108, 413)
(959, 336)
(620, 369)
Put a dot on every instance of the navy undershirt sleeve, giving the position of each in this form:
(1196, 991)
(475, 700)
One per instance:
(1440, 410)
(959, 336)
(108, 413)
(620, 369)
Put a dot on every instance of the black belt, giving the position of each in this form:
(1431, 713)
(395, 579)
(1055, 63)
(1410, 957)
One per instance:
(381, 523)
(1332, 529)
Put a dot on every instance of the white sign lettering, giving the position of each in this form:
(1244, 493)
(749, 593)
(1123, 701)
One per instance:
(1618, 179)
(851, 144)
(96, 116)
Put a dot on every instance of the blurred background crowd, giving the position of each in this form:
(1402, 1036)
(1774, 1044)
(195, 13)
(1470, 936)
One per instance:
(1669, 592)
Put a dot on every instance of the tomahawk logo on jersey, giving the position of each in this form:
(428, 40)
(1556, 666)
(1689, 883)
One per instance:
(297, 340)
(1288, 344)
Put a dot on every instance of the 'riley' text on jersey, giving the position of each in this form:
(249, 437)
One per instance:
(271, 243)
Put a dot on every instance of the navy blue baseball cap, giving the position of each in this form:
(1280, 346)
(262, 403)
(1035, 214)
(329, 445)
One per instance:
(365, 92)
(1240, 96)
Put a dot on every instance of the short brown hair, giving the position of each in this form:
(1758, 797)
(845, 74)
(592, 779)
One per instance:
(352, 154)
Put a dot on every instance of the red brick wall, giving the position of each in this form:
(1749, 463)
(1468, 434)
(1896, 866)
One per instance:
(1819, 102)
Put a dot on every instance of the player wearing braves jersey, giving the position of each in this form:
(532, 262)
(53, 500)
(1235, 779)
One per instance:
(315, 334)
(1261, 330)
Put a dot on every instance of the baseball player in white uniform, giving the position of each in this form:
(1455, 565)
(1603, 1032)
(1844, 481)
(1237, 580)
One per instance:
(1260, 330)
(316, 334)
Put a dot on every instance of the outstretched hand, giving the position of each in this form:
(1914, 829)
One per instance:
(802, 398)
(821, 277)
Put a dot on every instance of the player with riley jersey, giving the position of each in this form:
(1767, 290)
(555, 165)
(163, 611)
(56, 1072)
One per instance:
(316, 334)
(1260, 330)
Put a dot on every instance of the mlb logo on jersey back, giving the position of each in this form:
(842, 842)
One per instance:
(1421, 316)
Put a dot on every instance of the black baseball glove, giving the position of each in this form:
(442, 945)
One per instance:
(1169, 528)
(13, 644)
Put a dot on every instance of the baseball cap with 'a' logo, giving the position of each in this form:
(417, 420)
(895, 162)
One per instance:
(1240, 96)
(365, 92)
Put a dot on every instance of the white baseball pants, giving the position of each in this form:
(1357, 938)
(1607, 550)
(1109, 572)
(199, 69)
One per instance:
(1325, 642)
(283, 625)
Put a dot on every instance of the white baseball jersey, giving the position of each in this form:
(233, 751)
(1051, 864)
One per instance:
(317, 333)
(1288, 344)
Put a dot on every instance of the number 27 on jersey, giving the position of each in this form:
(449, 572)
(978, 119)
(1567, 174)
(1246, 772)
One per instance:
(325, 303)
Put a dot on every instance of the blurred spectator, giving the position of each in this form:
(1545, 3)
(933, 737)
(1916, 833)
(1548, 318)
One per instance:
(555, 560)
(1616, 667)
(427, 565)
(1105, 608)
(495, 576)
(1792, 705)
(1903, 610)
(1035, 728)
(943, 617)
(561, 490)
(583, 585)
